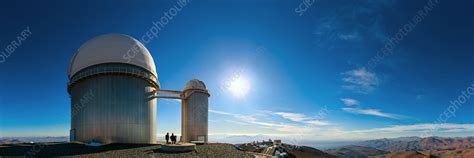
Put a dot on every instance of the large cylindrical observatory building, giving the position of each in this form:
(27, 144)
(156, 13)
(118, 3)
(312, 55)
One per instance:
(195, 106)
(112, 78)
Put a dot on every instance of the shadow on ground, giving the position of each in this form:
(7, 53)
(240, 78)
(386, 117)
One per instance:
(117, 150)
(61, 149)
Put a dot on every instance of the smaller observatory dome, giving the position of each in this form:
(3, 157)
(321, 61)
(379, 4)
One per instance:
(195, 84)
(111, 48)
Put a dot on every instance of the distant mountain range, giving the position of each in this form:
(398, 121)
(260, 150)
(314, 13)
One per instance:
(16, 140)
(419, 144)
(307, 152)
(353, 151)
(319, 144)
(464, 153)
(410, 147)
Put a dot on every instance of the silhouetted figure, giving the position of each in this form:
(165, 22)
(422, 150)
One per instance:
(173, 138)
(167, 137)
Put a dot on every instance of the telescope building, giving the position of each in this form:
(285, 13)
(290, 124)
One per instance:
(113, 87)
(109, 91)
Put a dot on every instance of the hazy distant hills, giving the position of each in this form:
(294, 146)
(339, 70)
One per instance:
(354, 151)
(15, 140)
(409, 147)
(10, 141)
(404, 154)
(420, 144)
(460, 153)
(319, 144)
(308, 152)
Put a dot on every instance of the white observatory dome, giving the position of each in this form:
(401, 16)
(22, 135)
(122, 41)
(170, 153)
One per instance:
(111, 48)
(195, 84)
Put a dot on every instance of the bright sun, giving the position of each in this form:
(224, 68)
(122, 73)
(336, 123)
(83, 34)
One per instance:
(239, 87)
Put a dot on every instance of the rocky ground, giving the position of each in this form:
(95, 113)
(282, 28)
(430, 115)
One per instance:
(365, 152)
(216, 150)
(409, 147)
(405, 154)
(309, 152)
(353, 151)
(420, 144)
(267, 149)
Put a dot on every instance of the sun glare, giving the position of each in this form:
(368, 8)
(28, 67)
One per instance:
(239, 87)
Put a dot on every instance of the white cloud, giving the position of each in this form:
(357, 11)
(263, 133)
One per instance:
(301, 118)
(456, 130)
(237, 122)
(373, 112)
(309, 130)
(317, 122)
(244, 118)
(350, 36)
(355, 23)
(307, 127)
(360, 80)
(177, 100)
(292, 116)
(422, 128)
(221, 112)
(295, 129)
(172, 101)
(349, 101)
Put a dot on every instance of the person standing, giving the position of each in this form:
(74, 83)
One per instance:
(167, 137)
(172, 138)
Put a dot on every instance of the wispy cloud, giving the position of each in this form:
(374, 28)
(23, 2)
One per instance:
(301, 118)
(172, 101)
(422, 127)
(250, 119)
(176, 100)
(292, 116)
(317, 122)
(244, 118)
(295, 132)
(372, 112)
(307, 125)
(353, 22)
(349, 101)
(350, 36)
(360, 80)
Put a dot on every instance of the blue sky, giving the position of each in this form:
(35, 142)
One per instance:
(285, 68)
